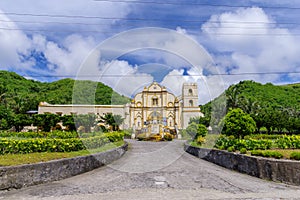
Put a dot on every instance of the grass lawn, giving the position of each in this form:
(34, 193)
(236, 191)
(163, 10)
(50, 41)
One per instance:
(19, 159)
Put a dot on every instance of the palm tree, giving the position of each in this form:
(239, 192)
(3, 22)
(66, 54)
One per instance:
(114, 121)
(232, 97)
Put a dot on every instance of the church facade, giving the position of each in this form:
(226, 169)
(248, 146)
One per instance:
(150, 110)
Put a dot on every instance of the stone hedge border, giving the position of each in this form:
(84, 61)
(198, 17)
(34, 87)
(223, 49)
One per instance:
(287, 171)
(33, 174)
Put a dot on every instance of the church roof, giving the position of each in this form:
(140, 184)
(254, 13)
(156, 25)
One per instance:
(155, 87)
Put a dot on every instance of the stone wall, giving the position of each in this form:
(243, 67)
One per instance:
(287, 171)
(32, 174)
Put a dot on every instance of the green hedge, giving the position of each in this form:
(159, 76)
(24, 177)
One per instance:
(268, 154)
(288, 142)
(53, 134)
(262, 136)
(282, 142)
(295, 156)
(250, 144)
(30, 145)
(13, 146)
(57, 134)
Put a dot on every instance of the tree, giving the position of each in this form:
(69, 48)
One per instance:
(232, 97)
(46, 121)
(87, 121)
(6, 118)
(21, 120)
(196, 130)
(118, 121)
(68, 121)
(200, 120)
(3, 91)
(238, 123)
(114, 121)
(262, 115)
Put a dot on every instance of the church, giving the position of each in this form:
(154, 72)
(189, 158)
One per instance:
(150, 110)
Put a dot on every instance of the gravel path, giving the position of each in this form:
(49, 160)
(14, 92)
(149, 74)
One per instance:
(161, 170)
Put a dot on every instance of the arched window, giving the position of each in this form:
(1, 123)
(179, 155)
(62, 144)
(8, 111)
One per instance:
(190, 92)
(191, 103)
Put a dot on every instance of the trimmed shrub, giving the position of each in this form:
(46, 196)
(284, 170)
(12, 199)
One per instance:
(128, 133)
(196, 130)
(30, 145)
(231, 149)
(238, 123)
(268, 154)
(256, 153)
(39, 145)
(53, 134)
(287, 142)
(168, 137)
(224, 142)
(200, 140)
(272, 154)
(262, 136)
(295, 155)
(243, 150)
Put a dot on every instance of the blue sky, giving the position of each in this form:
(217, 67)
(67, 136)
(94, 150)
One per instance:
(48, 40)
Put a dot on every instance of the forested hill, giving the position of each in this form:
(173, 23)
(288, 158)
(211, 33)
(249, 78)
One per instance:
(20, 94)
(250, 95)
(275, 108)
(264, 94)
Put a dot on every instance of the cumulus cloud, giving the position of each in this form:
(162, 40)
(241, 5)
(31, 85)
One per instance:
(63, 50)
(209, 87)
(68, 56)
(66, 8)
(248, 40)
(180, 30)
(174, 80)
(15, 46)
(123, 77)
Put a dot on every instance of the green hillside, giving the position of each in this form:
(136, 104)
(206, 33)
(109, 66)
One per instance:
(20, 95)
(284, 96)
(250, 93)
(275, 107)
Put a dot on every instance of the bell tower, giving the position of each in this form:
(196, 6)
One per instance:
(190, 95)
(190, 106)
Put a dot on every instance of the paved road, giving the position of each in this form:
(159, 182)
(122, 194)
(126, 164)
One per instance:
(162, 170)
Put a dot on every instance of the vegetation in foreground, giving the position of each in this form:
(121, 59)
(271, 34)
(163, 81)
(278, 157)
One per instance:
(31, 147)
(20, 159)
(23, 145)
(263, 145)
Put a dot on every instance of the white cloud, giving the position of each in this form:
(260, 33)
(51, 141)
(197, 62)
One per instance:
(15, 46)
(123, 77)
(68, 56)
(63, 51)
(252, 43)
(173, 81)
(180, 30)
(65, 8)
(209, 87)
